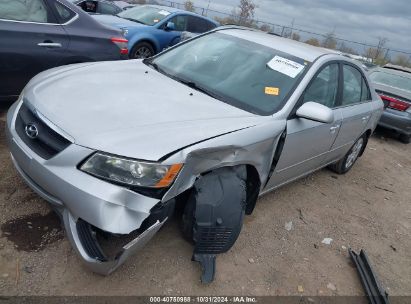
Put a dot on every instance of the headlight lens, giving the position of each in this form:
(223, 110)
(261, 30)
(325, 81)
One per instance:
(131, 172)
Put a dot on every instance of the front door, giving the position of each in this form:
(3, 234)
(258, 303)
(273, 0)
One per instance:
(307, 142)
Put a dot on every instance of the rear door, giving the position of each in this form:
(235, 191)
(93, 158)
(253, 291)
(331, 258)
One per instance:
(31, 41)
(307, 142)
(356, 110)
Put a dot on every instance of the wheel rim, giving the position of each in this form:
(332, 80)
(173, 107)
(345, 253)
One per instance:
(142, 52)
(355, 152)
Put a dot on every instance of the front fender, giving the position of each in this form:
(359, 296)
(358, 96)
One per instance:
(253, 146)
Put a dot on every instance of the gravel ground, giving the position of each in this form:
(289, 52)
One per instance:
(368, 208)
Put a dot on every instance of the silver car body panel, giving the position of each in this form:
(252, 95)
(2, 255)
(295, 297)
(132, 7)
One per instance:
(128, 109)
(399, 121)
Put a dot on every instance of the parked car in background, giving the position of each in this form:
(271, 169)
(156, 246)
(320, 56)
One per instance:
(36, 35)
(393, 84)
(152, 28)
(210, 125)
(104, 7)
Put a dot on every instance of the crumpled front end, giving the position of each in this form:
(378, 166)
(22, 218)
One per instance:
(88, 206)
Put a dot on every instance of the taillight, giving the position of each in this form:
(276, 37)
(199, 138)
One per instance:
(395, 103)
(122, 44)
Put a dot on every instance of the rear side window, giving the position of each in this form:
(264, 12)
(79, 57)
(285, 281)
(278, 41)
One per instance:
(323, 89)
(28, 10)
(63, 13)
(199, 25)
(355, 89)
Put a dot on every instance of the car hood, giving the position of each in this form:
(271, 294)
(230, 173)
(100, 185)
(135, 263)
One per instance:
(128, 109)
(117, 22)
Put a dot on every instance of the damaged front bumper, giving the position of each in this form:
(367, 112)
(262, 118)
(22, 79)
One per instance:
(86, 204)
(83, 240)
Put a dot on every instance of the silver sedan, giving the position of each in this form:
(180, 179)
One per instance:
(207, 126)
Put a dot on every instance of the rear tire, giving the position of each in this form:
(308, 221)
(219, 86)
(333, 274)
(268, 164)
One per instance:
(142, 50)
(406, 139)
(347, 162)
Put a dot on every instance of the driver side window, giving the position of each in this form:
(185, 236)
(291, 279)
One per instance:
(180, 23)
(324, 88)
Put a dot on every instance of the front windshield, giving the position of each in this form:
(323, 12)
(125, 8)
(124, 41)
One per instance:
(244, 74)
(392, 80)
(148, 15)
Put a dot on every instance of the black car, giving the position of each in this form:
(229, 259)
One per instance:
(36, 35)
(103, 7)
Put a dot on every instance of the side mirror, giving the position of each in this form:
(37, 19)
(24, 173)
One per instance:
(315, 111)
(170, 26)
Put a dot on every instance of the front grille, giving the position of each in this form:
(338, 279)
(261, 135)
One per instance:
(47, 143)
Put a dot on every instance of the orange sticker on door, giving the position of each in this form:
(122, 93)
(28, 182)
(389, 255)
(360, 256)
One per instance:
(272, 91)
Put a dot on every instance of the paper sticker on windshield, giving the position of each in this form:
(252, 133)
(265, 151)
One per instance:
(285, 66)
(272, 91)
(164, 13)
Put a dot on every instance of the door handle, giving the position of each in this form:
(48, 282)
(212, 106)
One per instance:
(50, 44)
(334, 128)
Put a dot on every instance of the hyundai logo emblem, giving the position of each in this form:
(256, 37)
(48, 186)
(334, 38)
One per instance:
(31, 131)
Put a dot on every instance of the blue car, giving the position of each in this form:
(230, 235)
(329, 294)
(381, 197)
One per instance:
(152, 28)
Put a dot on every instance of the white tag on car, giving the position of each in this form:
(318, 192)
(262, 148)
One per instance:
(164, 13)
(285, 66)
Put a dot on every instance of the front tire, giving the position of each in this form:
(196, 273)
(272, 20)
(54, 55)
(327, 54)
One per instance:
(142, 50)
(347, 162)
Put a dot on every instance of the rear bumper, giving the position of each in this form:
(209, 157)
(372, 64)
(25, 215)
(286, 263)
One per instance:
(396, 120)
(77, 196)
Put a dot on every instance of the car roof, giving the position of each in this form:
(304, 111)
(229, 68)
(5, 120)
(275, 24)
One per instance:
(289, 46)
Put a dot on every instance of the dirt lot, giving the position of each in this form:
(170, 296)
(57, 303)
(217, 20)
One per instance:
(368, 208)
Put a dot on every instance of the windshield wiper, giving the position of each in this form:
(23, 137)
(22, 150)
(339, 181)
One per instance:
(191, 84)
(194, 86)
(131, 19)
(150, 62)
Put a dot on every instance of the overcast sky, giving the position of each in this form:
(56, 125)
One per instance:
(358, 20)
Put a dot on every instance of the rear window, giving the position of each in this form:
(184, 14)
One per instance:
(392, 80)
(244, 74)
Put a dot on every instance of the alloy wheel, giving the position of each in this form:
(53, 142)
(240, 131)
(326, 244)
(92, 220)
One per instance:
(355, 152)
(142, 53)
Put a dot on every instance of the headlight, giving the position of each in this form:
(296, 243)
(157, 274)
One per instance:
(131, 172)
